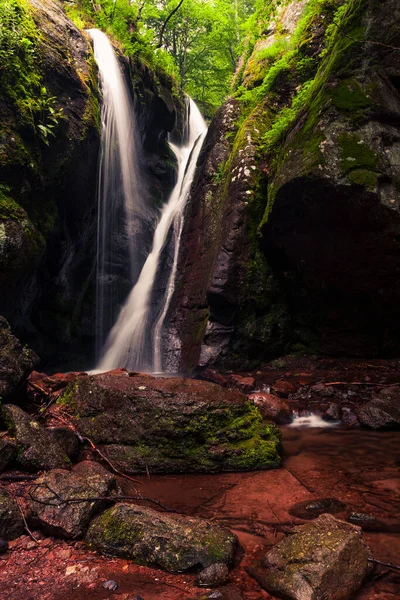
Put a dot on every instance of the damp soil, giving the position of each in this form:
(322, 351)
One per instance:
(358, 469)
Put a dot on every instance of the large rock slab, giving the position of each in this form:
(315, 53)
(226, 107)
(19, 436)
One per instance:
(11, 523)
(171, 425)
(16, 362)
(322, 559)
(63, 502)
(172, 542)
(37, 448)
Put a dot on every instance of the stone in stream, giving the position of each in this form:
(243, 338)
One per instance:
(172, 542)
(11, 522)
(37, 448)
(326, 558)
(382, 410)
(311, 509)
(370, 523)
(16, 362)
(142, 423)
(271, 407)
(54, 495)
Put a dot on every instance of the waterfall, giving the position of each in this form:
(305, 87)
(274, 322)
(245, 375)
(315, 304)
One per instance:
(134, 332)
(122, 211)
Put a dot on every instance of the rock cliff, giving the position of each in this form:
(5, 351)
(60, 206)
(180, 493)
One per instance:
(294, 217)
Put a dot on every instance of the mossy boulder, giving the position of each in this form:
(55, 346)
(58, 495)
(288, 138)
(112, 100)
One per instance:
(172, 542)
(11, 523)
(171, 425)
(37, 448)
(63, 502)
(323, 559)
(16, 361)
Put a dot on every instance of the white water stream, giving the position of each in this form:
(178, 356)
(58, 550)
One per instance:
(127, 343)
(122, 211)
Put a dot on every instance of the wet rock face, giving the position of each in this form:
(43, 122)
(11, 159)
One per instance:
(53, 495)
(174, 543)
(11, 523)
(16, 361)
(171, 425)
(37, 449)
(323, 559)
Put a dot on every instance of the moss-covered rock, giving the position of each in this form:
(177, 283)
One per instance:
(171, 542)
(37, 449)
(16, 361)
(308, 564)
(171, 425)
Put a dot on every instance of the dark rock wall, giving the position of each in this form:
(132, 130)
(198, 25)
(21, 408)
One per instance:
(48, 187)
(305, 195)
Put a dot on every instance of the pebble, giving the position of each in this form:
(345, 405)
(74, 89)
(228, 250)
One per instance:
(110, 585)
(3, 546)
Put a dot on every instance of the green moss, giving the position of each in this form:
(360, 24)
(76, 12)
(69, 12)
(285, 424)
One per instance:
(364, 177)
(68, 398)
(349, 95)
(355, 154)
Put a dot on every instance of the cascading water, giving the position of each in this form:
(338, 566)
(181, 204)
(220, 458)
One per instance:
(132, 335)
(122, 211)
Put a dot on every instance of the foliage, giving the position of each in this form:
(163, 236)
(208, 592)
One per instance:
(20, 78)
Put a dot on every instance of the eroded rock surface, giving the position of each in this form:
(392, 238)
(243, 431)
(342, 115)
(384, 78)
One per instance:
(323, 559)
(172, 542)
(171, 424)
(11, 523)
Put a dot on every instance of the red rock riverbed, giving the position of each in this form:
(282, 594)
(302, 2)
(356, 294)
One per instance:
(358, 467)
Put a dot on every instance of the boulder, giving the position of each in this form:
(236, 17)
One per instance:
(8, 451)
(172, 542)
(37, 448)
(66, 439)
(326, 558)
(271, 407)
(381, 411)
(16, 362)
(54, 498)
(11, 523)
(172, 424)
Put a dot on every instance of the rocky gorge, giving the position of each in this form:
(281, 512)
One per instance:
(262, 461)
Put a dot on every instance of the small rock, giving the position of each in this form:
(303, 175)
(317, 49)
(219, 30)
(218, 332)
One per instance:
(110, 585)
(16, 361)
(272, 408)
(311, 509)
(349, 417)
(244, 384)
(371, 523)
(322, 390)
(137, 597)
(326, 558)
(332, 413)
(284, 388)
(8, 451)
(213, 576)
(3, 546)
(215, 594)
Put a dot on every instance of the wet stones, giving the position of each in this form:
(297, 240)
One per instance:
(310, 563)
(172, 542)
(63, 502)
(37, 448)
(271, 407)
(381, 411)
